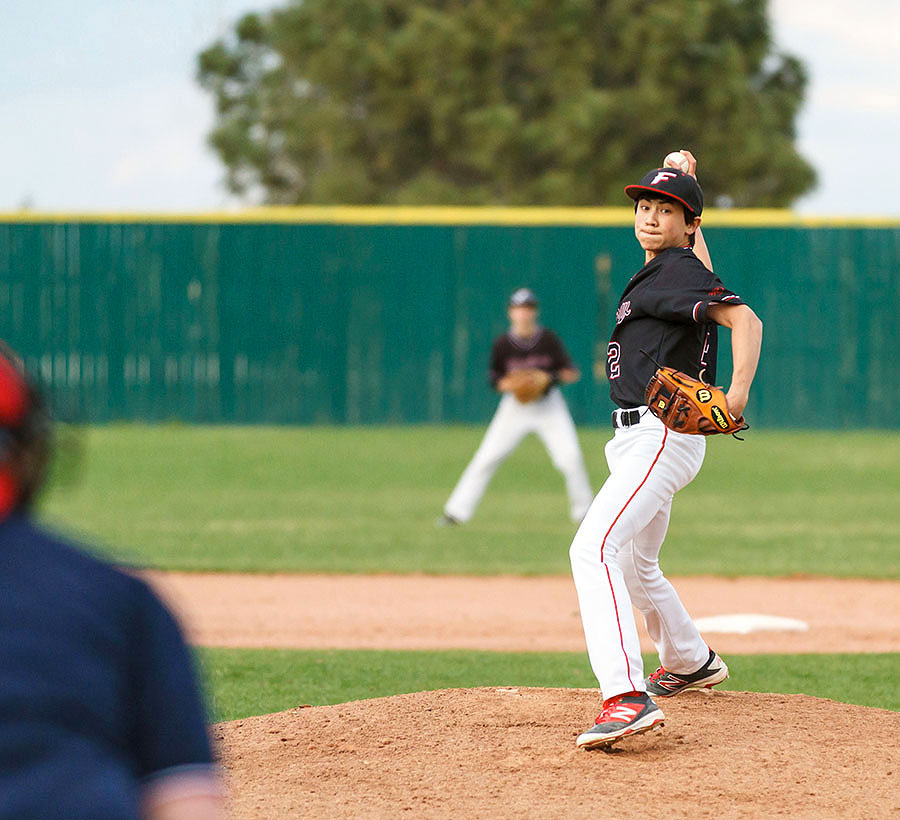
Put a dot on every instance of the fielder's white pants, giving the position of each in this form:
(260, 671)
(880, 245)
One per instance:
(550, 420)
(615, 557)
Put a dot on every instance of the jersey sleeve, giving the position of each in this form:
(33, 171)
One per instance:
(497, 367)
(687, 290)
(560, 356)
(169, 732)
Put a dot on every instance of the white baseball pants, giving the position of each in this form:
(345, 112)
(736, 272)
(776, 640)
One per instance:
(550, 420)
(615, 557)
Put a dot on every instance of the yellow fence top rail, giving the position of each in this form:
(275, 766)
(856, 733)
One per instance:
(441, 215)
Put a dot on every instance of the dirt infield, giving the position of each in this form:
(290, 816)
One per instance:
(497, 753)
(508, 613)
(509, 753)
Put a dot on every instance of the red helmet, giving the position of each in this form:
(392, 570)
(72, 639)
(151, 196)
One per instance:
(25, 435)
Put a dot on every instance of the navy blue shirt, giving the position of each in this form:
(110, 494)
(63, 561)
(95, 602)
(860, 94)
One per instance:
(663, 312)
(97, 689)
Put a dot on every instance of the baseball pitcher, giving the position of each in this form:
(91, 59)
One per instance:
(661, 365)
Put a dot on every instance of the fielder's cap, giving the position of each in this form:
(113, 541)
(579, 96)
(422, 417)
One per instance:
(523, 296)
(672, 183)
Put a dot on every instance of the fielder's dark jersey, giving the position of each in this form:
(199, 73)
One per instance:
(543, 351)
(97, 691)
(663, 311)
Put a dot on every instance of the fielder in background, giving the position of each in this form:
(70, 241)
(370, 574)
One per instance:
(100, 715)
(527, 363)
(667, 316)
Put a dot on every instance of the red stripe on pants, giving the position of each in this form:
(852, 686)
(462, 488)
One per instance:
(603, 545)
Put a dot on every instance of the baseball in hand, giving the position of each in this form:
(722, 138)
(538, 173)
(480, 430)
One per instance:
(676, 160)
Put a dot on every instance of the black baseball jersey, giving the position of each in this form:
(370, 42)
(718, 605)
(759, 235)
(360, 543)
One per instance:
(663, 311)
(543, 351)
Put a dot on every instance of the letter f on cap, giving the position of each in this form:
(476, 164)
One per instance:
(661, 176)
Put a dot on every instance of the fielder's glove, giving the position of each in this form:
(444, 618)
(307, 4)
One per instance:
(528, 385)
(688, 405)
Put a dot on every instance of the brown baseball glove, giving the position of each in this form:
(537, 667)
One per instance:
(528, 385)
(688, 405)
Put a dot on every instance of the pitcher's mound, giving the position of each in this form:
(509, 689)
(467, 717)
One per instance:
(509, 753)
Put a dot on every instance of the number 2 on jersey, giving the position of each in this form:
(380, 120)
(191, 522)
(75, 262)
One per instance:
(612, 360)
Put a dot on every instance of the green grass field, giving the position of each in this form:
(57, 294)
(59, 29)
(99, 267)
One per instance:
(365, 500)
(257, 681)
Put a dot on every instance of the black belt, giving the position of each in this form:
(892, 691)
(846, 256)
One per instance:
(626, 418)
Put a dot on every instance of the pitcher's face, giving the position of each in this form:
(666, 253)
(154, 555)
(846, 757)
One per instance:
(659, 224)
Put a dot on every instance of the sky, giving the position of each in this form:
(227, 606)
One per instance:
(101, 110)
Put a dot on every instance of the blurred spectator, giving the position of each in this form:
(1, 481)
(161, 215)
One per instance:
(100, 713)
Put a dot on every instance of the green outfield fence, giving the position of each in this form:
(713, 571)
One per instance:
(381, 315)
